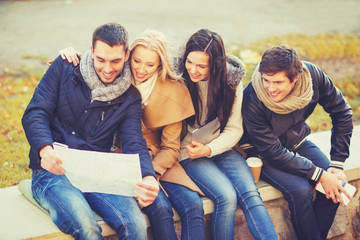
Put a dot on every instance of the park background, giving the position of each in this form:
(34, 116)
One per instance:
(326, 32)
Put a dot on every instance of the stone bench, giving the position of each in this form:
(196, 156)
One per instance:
(21, 219)
(24, 219)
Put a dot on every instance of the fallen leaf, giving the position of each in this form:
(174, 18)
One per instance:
(15, 183)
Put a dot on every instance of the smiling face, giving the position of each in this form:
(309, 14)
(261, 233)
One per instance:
(278, 85)
(197, 65)
(144, 63)
(108, 61)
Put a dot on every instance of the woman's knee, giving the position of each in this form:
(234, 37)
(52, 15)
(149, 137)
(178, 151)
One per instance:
(226, 199)
(250, 199)
(194, 206)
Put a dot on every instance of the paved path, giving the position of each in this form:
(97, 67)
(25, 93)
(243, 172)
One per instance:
(43, 27)
(322, 139)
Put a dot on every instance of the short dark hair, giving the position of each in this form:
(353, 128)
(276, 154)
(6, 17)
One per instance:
(281, 58)
(111, 34)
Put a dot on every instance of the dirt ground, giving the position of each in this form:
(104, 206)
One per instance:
(42, 27)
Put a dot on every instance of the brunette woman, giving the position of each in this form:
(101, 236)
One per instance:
(214, 82)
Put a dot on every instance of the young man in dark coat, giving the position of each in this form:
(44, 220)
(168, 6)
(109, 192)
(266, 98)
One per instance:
(83, 107)
(282, 94)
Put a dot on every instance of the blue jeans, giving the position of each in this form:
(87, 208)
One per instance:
(71, 210)
(310, 219)
(227, 180)
(189, 206)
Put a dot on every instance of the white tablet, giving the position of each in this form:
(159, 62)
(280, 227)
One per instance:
(207, 132)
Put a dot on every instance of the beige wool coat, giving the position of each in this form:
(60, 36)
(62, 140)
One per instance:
(168, 105)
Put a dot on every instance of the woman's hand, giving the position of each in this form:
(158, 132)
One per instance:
(196, 150)
(71, 55)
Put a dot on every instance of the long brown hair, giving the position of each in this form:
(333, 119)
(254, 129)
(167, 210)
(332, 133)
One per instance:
(220, 96)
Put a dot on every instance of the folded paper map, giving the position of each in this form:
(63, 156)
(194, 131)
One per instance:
(91, 171)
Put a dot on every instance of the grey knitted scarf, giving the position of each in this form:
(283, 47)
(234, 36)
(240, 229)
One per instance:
(99, 90)
(298, 98)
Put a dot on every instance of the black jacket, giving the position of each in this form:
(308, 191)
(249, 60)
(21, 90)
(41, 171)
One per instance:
(276, 136)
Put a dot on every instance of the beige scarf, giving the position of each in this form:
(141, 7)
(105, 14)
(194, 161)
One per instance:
(298, 98)
(145, 88)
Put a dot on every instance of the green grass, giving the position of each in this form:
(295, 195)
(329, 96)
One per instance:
(16, 89)
(17, 86)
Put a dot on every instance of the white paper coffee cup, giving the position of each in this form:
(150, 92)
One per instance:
(255, 165)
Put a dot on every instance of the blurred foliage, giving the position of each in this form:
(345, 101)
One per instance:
(319, 46)
(42, 59)
(309, 47)
(17, 86)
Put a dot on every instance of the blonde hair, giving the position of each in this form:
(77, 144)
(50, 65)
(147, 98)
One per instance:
(157, 42)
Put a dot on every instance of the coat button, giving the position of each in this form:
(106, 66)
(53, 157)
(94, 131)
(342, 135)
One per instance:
(85, 111)
(73, 133)
(109, 102)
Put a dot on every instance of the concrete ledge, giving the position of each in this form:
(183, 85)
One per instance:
(20, 219)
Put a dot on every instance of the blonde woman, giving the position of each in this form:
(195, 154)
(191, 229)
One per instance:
(166, 102)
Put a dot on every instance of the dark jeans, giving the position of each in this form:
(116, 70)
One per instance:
(310, 219)
(188, 205)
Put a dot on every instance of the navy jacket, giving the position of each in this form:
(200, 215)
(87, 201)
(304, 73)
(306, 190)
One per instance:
(61, 111)
(276, 136)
